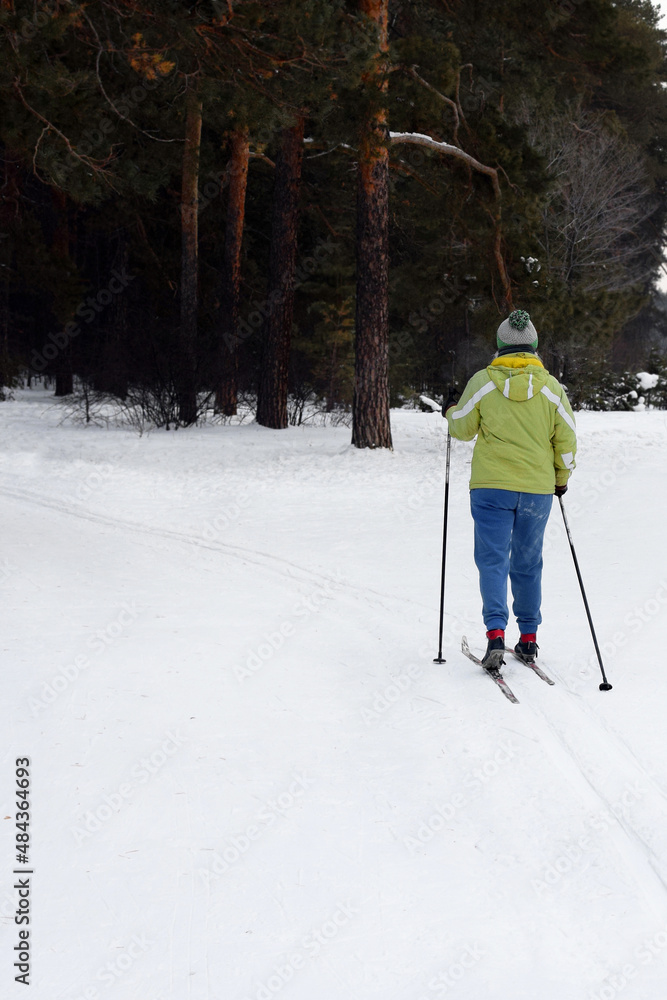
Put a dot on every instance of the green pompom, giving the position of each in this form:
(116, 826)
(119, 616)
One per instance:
(519, 319)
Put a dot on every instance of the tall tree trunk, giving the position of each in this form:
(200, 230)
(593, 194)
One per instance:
(189, 258)
(370, 410)
(272, 395)
(113, 374)
(226, 394)
(10, 202)
(61, 244)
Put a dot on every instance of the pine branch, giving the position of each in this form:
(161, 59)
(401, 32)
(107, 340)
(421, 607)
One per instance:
(405, 169)
(318, 209)
(97, 166)
(454, 105)
(332, 149)
(111, 104)
(263, 157)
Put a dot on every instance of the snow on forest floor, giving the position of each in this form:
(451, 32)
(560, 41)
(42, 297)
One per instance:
(249, 779)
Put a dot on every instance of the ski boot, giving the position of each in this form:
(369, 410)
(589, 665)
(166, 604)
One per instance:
(493, 659)
(526, 648)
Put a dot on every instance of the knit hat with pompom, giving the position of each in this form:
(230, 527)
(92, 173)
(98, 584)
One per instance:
(517, 331)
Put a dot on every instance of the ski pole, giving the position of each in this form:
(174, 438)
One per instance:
(605, 686)
(439, 658)
(437, 407)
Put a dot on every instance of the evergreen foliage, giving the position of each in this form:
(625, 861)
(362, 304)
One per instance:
(564, 104)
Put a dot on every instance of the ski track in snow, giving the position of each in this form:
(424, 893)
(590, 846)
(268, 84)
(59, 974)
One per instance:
(646, 855)
(265, 560)
(610, 786)
(608, 774)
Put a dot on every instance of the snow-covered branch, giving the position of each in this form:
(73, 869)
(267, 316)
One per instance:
(419, 139)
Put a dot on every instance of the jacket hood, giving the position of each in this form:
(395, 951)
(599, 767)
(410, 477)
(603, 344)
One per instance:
(518, 376)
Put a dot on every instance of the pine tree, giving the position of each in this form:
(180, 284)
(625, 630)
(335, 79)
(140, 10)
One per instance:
(190, 259)
(370, 411)
(230, 277)
(272, 395)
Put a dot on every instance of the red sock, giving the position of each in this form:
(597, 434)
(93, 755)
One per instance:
(528, 637)
(496, 633)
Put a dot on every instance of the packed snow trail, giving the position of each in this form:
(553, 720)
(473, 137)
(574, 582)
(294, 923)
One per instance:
(249, 778)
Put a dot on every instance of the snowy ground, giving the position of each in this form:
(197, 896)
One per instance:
(249, 779)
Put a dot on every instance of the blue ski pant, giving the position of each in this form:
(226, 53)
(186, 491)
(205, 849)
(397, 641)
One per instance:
(509, 536)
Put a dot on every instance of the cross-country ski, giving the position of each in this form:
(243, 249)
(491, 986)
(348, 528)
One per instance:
(532, 665)
(492, 672)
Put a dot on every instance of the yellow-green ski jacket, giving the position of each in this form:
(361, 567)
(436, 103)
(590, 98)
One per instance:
(526, 434)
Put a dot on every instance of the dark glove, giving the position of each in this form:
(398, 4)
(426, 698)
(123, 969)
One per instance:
(451, 400)
(560, 490)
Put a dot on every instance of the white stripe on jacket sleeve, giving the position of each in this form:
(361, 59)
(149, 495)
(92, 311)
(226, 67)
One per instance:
(473, 401)
(558, 403)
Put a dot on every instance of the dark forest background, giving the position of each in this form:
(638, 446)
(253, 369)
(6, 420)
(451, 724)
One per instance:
(213, 203)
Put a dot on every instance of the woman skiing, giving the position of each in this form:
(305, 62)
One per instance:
(524, 453)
